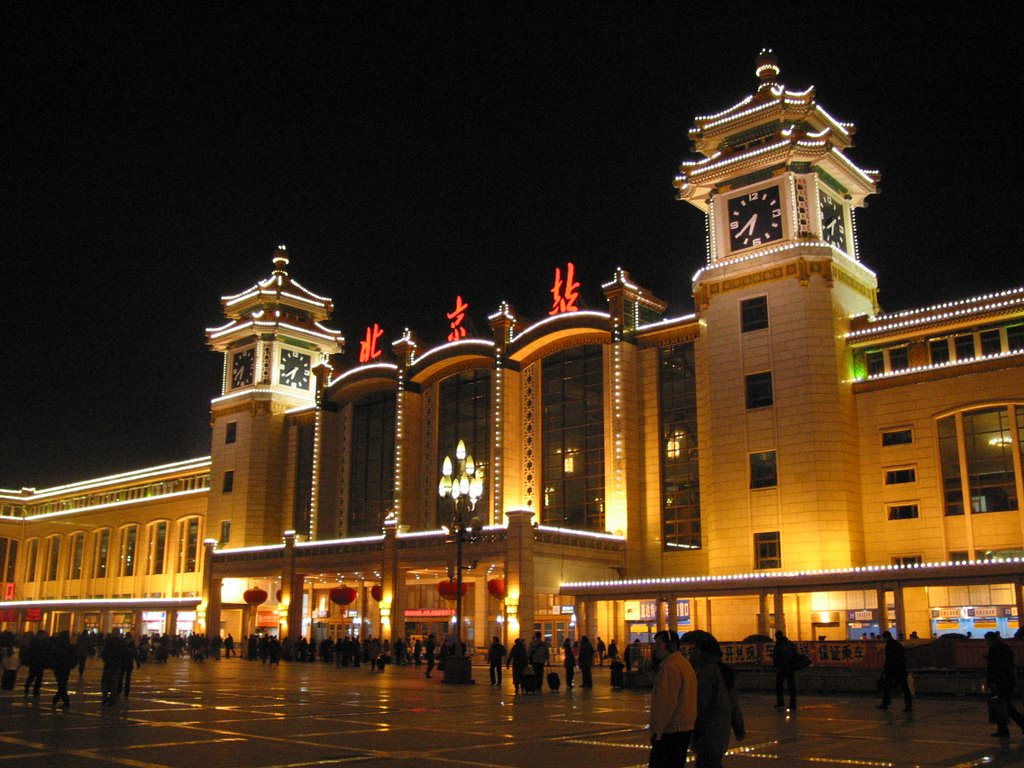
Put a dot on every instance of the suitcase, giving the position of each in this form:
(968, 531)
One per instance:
(531, 683)
(617, 677)
(554, 681)
(8, 679)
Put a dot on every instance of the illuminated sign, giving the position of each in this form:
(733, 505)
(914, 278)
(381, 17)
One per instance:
(368, 347)
(149, 616)
(267, 619)
(565, 293)
(456, 316)
(9, 590)
(429, 613)
(34, 614)
(8, 614)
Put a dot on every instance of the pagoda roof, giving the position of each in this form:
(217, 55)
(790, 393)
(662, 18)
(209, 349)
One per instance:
(279, 291)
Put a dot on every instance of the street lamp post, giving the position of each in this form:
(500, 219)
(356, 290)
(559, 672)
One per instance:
(462, 484)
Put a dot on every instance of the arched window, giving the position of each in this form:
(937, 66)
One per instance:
(188, 545)
(156, 547)
(100, 552)
(572, 438)
(465, 414)
(977, 450)
(680, 477)
(372, 465)
(77, 555)
(8, 560)
(126, 550)
(52, 558)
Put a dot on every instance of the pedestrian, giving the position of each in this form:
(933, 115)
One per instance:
(586, 661)
(63, 658)
(429, 650)
(894, 673)
(417, 652)
(229, 646)
(83, 650)
(114, 655)
(613, 650)
(601, 648)
(633, 655)
(568, 662)
(717, 709)
(518, 660)
(495, 656)
(36, 656)
(539, 654)
(673, 703)
(1001, 679)
(784, 659)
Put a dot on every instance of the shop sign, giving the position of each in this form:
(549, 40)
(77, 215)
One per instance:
(266, 619)
(33, 614)
(8, 614)
(153, 616)
(9, 590)
(355, 614)
(567, 610)
(864, 615)
(649, 611)
(429, 613)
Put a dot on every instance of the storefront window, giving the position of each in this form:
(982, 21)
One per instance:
(680, 479)
(465, 414)
(572, 438)
(372, 468)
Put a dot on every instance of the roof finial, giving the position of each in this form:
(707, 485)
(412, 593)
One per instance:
(767, 69)
(281, 260)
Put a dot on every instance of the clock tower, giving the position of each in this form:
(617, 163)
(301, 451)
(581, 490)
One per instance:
(272, 342)
(781, 281)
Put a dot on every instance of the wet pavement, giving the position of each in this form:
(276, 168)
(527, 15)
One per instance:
(238, 713)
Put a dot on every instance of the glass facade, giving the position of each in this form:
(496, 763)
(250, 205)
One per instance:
(572, 438)
(988, 439)
(464, 413)
(372, 466)
(680, 479)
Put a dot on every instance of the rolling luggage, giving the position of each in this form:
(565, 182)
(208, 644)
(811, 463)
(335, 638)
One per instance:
(554, 681)
(617, 677)
(531, 682)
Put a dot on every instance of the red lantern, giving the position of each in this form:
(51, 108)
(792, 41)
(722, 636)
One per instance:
(277, 596)
(449, 589)
(255, 596)
(342, 595)
(377, 592)
(497, 588)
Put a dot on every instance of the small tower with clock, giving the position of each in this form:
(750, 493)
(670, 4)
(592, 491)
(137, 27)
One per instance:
(781, 281)
(273, 340)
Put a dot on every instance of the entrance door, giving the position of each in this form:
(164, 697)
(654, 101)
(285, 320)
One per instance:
(554, 632)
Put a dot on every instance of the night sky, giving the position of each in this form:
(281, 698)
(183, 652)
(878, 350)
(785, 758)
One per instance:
(153, 158)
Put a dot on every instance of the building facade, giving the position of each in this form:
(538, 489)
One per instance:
(787, 456)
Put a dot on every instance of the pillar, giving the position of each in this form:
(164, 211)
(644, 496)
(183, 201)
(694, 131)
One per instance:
(211, 591)
(901, 611)
(171, 621)
(392, 604)
(707, 615)
(105, 621)
(780, 612)
(673, 613)
(291, 590)
(883, 611)
(1018, 585)
(520, 601)
(762, 613)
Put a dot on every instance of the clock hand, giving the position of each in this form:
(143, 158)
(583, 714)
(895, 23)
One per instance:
(751, 222)
(291, 374)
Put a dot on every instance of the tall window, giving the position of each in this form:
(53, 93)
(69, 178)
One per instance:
(990, 438)
(77, 556)
(156, 548)
(188, 545)
(680, 479)
(8, 558)
(754, 314)
(767, 550)
(572, 438)
(465, 414)
(126, 550)
(372, 467)
(52, 558)
(101, 553)
(33, 558)
(763, 470)
(759, 389)
(302, 500)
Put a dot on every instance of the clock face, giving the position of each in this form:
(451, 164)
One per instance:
(294, 369)
(833, 224)
(242, 366)
(755, 218)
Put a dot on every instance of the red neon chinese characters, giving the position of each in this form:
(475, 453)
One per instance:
(456, 317)
(368, 347)
(565, 294)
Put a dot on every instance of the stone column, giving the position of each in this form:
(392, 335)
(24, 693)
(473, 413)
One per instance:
(392, 609)
(211, 591)
(901, 611)
(171, 621)
(1018, 597)
(291, 589)
(673, 613)
(520, 602)
(883, 610)
(780, 612)
(762, 613)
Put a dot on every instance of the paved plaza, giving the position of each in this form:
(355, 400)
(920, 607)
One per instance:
(238, 713)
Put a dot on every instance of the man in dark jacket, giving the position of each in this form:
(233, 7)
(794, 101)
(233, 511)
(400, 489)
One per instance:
(37, 658)
(64, 659)
(894, 673)
(495, 655)
(1001, 678)
(784, 661)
